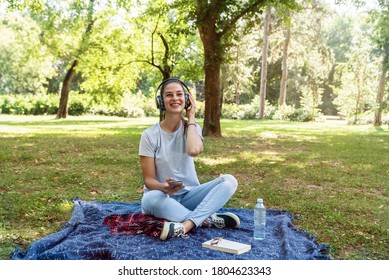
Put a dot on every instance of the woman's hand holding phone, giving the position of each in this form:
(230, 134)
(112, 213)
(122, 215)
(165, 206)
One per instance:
(173, 186)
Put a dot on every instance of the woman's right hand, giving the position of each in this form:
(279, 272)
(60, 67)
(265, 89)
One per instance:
(170, 190)
(191, 111)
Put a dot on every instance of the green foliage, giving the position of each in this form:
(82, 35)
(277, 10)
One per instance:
(137, 105)
(380, 20)
(240, 112)
(29, 104)
(130, 106)
(289, 113)
(237, 71)
(286, 113)
(302, 115)
(200, 109)
(164, 42)
(43, 104)
(108, 64)
(282, 113)
(25, 64)
(79, 104)
(131, 42)
(354, 97)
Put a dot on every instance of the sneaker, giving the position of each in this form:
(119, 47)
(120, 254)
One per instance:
(171, 229)
(224, 220)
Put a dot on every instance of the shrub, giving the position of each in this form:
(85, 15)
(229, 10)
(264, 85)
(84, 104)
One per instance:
(22, 106)
(79, 104)
(101, 109)
(6, 102)
(26, 104)
(130, 106)
(149, 107)
(130, 112)
(239, 112)
(137, 105)
(301, 115)
(200, 109)
(76, 108)
(283, 112)
(45, 104)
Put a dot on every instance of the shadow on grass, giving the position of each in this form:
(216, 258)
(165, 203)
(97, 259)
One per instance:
(380, 128)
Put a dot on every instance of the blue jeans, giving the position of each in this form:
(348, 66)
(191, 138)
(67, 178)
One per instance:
(196, 205)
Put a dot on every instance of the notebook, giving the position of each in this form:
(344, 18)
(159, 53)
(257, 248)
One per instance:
(227, 246)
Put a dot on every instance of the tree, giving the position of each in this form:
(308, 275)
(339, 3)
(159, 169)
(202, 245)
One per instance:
(216, 21)
(310, 58)
(262, 92)
(381, 87)
(237, 70)
(25, 65)
(337, 33)
(381, 39)
(66, 27)
(358, 76)
(66, 31)
(63, 104)
(165, 41)
(284, 78)
(106, 66)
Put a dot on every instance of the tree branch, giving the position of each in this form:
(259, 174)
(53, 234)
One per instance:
(231, 24)
(166, 45)
(152, 42)
(148, 62)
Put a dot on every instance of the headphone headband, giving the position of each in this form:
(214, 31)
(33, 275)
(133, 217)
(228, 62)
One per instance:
(172, 80)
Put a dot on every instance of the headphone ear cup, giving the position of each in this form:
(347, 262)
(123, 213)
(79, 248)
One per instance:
(159, 101)
(187, 101)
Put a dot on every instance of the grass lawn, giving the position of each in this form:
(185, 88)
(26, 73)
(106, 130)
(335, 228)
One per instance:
(333, 176)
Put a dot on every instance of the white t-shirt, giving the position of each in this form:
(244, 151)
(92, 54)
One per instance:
(169, 153)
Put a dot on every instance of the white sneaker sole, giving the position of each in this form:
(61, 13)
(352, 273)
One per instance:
(165, 231)
(232, 215)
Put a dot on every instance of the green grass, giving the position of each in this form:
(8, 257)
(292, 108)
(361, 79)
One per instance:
(334, 177)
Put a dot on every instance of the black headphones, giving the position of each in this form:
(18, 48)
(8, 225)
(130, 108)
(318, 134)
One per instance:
(159, 97)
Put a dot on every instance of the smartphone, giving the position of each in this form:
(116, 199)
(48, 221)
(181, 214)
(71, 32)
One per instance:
(175, 183)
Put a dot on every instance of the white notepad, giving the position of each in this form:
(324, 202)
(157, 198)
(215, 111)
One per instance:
(227, 246)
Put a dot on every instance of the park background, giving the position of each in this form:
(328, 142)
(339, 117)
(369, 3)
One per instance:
(298, 90)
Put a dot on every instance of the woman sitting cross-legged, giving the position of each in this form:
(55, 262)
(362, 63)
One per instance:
(172, 190)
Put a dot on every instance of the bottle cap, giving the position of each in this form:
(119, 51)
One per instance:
(260, 200)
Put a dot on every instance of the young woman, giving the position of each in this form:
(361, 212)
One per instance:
(172, 190)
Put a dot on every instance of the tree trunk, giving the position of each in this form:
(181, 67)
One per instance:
(264, 65)
(212, 98)
(358, 98)
(212, 30)
(284, 78)
(67, 82)
(212, 65)
(381, 88)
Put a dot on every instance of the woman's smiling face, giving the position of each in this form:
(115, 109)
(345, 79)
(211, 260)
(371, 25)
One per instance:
(174, 97)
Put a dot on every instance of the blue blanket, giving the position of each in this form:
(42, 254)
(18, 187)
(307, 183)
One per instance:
(85, 238)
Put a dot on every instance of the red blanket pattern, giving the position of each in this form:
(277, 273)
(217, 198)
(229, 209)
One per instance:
(134, 223)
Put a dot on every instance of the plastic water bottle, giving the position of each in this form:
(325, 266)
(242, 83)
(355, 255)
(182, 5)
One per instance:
(259, 220)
